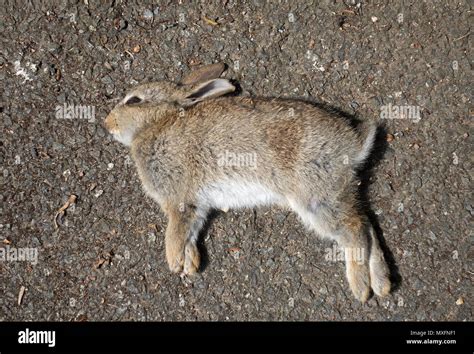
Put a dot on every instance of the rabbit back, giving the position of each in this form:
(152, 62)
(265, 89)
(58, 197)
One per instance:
(261, 149)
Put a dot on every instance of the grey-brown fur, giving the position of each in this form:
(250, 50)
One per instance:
(305, 159)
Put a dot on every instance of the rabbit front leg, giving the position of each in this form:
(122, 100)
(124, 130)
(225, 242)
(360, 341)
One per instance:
(184, 223)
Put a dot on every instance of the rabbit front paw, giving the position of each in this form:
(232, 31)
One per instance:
(175, 256)
(192, 258)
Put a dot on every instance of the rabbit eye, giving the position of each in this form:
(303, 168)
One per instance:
(133, 100)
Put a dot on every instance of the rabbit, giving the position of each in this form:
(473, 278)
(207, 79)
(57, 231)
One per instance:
(304, 159)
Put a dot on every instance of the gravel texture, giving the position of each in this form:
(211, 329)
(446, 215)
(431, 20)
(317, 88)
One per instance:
(105, 261)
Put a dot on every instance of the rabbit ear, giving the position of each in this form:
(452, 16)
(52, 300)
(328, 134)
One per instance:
(210, 89)
(204, 73)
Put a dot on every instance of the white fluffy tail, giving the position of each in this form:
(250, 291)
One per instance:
(368, 137)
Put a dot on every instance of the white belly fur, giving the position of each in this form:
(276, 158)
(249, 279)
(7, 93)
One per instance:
(237, 194)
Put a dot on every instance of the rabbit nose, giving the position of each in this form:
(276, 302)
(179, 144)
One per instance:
(108, 122)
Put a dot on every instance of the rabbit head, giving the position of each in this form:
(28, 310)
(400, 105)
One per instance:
(149, 102)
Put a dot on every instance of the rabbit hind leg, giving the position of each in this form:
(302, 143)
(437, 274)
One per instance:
(344, 225)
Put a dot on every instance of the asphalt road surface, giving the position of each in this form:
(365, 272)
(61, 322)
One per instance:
(105, 258)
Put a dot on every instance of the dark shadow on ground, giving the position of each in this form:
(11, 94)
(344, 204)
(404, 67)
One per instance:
(202, 235)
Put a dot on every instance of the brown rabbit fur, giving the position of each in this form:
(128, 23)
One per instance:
(305, 158)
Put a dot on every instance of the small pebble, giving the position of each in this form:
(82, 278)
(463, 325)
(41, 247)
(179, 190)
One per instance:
(110, 166)
(182, 302)
(147, 15)
(390, 138)
(432, 235)
(460, 301)
(126, 254)
(109, 89)
(151, 237)
(67, 174)
(455, 159)
(400, 208)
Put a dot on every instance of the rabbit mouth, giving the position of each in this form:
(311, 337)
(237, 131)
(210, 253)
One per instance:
(125, 139)
(114, 131)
